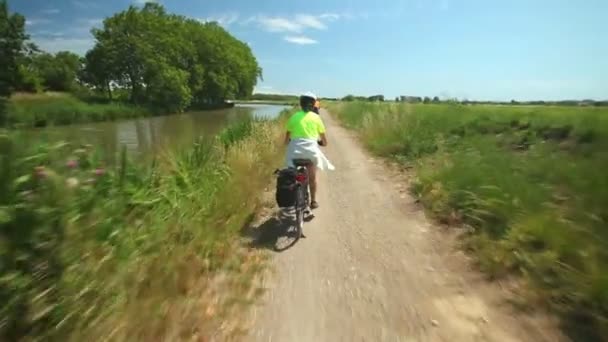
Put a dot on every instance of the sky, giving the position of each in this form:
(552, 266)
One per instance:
(468, 49)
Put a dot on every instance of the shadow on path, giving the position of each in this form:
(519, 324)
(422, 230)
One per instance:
(277, 233)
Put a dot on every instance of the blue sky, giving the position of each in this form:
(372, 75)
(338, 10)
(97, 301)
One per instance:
(475, 49)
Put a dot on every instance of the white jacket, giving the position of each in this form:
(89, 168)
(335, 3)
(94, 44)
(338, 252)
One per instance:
(307, 149)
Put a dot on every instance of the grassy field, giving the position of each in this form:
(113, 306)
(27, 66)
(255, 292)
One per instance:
(129, 252)
(52, 109)
(530, 182)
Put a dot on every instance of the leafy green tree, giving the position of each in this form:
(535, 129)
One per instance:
(28, 78)
(59, 71)
(426, 100)
(146, 51)
(97, 72)
(12, 38)
(376, 98)
(436, 99)
(168, 89)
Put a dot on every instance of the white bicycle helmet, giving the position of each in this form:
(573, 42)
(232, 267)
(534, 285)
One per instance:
(307, 101)
(309, 95)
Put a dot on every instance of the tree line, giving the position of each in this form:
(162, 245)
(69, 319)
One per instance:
(436, 99)
(144, 55)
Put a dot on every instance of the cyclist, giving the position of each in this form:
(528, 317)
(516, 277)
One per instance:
(305, 132)
(317, 107)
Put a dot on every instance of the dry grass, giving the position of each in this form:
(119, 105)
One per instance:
(146, 253)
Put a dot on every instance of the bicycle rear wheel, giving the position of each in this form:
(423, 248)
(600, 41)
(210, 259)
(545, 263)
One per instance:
(300, 208)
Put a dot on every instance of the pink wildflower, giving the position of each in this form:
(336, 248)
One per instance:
(72, 164)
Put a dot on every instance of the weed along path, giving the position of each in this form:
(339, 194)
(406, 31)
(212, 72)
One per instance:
(373, 268)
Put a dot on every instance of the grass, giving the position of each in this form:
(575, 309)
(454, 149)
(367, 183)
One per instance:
(530, 182)
(129, 252)
(52, 109)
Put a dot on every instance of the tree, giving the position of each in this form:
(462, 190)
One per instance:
(168, 88)
(146, 50)
(436, 99)
(12, 38)
(12, 31)
(426, 100)
(348, 98)
(97, 72)
(58, 72)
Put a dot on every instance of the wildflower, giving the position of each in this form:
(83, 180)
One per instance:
(71, 182)
(72, 164)
(99, 172)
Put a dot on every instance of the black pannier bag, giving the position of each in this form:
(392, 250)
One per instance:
(286, 188)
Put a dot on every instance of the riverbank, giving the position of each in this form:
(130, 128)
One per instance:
(60, 109)
(267, 102)
(56, 109)
(131, 252)
(528, 182)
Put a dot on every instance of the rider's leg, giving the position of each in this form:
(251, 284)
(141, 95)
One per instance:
(312, 177)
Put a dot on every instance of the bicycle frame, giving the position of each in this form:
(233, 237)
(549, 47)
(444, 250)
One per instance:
(302, 198)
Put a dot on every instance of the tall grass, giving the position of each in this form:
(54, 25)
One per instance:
(131, 252)
(63, 109)
(530, 182)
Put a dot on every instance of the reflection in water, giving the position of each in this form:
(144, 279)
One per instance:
(146, 136)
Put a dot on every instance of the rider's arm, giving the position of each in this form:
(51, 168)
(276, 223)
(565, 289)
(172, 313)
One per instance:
(323, 139)
(321, 130)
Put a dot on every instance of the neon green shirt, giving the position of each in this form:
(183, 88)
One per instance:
(304, 125)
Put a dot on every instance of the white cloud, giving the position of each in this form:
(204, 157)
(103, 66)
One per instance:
(300, 40)
(345, 15)
(296, 24)
(223, 19)
(46, 33)
(279, 24)
(55, 44)
(36, 21)
(310, 21)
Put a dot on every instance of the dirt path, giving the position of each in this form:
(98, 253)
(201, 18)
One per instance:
(374, 269)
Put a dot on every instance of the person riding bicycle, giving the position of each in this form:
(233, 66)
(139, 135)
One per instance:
(305, 132)
(317, 107)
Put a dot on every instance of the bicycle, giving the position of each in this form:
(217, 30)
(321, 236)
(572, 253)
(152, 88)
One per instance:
(294, 203)
(302, 195)
(300, 203)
